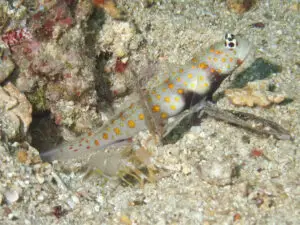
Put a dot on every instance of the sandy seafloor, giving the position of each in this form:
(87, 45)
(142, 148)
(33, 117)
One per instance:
(200, 187)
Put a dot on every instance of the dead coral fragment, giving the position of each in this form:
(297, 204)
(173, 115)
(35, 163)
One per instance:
(254, 93)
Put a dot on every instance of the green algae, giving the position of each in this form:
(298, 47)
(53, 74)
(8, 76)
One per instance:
(38, 100)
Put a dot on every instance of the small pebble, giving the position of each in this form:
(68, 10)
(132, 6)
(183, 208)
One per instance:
(11, 216)
(1, 198)
(41, 197)
(11, 196)
(258, 25)
(22, 156)
(97, 208)
(75, 199)
(40, 179)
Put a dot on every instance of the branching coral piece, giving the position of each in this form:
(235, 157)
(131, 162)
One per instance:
(254, 93)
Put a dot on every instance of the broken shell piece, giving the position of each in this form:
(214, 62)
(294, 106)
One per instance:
(254, 93)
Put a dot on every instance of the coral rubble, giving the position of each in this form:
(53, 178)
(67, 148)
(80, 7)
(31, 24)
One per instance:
(254, 93)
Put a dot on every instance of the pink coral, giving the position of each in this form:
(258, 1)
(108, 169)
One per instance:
(16, 37)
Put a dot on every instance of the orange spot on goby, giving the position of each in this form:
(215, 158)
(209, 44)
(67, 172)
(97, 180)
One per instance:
(90, 133)
(203, 65)
(96, 142)
(164, 115)
(105, 136)
(170, 85)
(117, 131)
(141, 116)
(155, 108)
(180, 91)
(131, 124)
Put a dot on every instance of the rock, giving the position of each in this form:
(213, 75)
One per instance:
(6, 67)
(15, 111)
(10, 124)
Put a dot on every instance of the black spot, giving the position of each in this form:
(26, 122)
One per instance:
(260, 69)
(231, 44)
